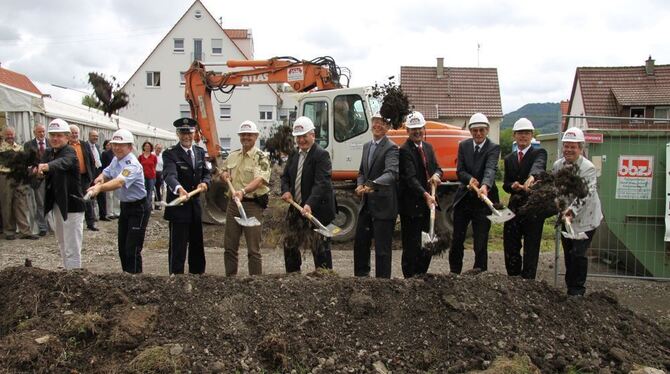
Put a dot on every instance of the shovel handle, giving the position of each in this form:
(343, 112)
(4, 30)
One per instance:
(482, 197)
(431, 229)
(308, 215)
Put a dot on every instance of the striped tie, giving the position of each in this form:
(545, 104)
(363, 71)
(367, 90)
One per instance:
(298, 177)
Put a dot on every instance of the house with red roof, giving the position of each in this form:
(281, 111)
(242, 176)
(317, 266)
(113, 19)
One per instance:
(622, 91)
(453, 94)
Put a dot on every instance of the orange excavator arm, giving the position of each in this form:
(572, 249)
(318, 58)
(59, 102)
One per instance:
(303, 76)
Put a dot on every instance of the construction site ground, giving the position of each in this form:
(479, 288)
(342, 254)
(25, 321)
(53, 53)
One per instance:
(100, 320)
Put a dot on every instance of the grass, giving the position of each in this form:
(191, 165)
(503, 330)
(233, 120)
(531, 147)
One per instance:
(548, 243)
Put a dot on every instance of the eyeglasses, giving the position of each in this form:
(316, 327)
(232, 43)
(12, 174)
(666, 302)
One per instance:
(478, 129)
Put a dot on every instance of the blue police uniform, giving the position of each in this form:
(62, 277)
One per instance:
(135, 210)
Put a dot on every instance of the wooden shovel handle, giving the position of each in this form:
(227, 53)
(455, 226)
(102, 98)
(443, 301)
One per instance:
(300, 209)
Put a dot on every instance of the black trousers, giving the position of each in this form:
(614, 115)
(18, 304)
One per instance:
(529, 231)
(88, 205)
(576, 263)
(300, 233)
(415, 260)
(132, 226)
(186, 237)
(470, 209)
(102, 204)
(321, 252)
(159, 182)
(381, 231)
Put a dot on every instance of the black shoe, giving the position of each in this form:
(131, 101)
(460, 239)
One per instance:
(105, 219)
(93, 228)
(42, 233)
(10, 237)
(29, 237)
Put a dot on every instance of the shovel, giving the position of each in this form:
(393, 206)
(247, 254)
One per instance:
(327, 231)
(571, 234)
(498, 216)
(181, 200)
(243, 220)
(429, 238)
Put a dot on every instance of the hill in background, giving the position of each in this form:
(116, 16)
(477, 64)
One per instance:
(546, 117)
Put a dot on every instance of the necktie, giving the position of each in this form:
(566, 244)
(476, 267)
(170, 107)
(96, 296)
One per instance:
(298, 178)
(423, 159)
(96, 156)
(373, 148)
(520, 156)
(41, 151)
(190, 156)
(477, 147)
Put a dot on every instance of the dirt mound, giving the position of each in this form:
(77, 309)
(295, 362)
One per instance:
(66, 321)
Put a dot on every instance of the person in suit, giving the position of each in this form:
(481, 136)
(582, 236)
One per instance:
(377, 188)
(585, 213)
(87, 170)
(419, 170)
(93, 145)
(184, 170)
(124, 176)
(110, 198)
(62, 193)
(476, 169)
(521, 168)
(307, 180)
(40, 145)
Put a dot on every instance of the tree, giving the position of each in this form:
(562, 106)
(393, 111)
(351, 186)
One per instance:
(506, 140)
(108, 93)
(91, 102)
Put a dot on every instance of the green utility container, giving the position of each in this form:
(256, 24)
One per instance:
(632, 189)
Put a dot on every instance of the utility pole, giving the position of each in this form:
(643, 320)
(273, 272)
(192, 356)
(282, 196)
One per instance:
(478, 48)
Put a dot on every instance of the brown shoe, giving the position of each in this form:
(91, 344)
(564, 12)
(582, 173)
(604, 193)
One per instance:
(29, 237)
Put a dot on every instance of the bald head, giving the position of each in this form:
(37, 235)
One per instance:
(9, 134)
(39, 131)
(93, 137)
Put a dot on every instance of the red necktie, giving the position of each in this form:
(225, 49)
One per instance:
(41, 152)
(520, 156)
(423, 158)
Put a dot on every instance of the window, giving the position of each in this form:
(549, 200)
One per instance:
(662, 112)
(197, 14)
(153, 78)
(637, 112)
(225, 111)
(317, 111)
(287, 116)
(217, 46)
(225, 144)
(349, 119)
(265, 112)
(197, 49)
(178, 45)
(184, 111)
(182, 78)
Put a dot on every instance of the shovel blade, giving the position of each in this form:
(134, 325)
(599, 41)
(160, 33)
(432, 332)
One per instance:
(577, 236)
(503, 216)
(329, 231)
(249, 222)
(426, 239)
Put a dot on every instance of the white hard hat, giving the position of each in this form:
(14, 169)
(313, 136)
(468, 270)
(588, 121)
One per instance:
(58, 125)
(523, 124)
(573, 135)
(379, 115)
(478, 120)
(302, 126)
(415, 120)
(248, 127)
(122, 136)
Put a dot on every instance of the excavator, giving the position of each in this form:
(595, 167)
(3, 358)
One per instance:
(342, 117)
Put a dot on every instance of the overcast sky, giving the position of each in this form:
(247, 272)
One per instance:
(535, 45)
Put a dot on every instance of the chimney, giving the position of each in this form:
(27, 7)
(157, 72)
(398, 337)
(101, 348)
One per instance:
(650, 66)
(440, 67)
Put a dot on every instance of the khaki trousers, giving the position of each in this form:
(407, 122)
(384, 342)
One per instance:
(14, 206)
(70, 235)
(233, 233)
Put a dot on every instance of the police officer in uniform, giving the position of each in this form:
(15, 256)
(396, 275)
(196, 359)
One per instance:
(125, 176)
(249, 171)
(184, 170)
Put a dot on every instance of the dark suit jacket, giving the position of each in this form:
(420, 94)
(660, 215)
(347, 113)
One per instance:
(178, 170)
(97, 171)
(413, 179)
(383, 172)
(316, 187)
(483, 168)
(31, 145)
(88, 160)
(106, 158)
(533, 163)
(62, 181)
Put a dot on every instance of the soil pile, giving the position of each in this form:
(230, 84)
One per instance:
(66, 321)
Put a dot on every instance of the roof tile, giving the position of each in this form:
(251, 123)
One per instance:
(18, 80)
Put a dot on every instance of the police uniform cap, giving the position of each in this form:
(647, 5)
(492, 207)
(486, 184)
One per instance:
(185, 124)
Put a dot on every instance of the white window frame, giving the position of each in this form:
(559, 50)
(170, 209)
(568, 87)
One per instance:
(175, 49)
(263, 112)
(155, 83)
(222, 109)
(183, 109)
(182, 79)
(644, 111)
(665, 119)
(220, 52)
